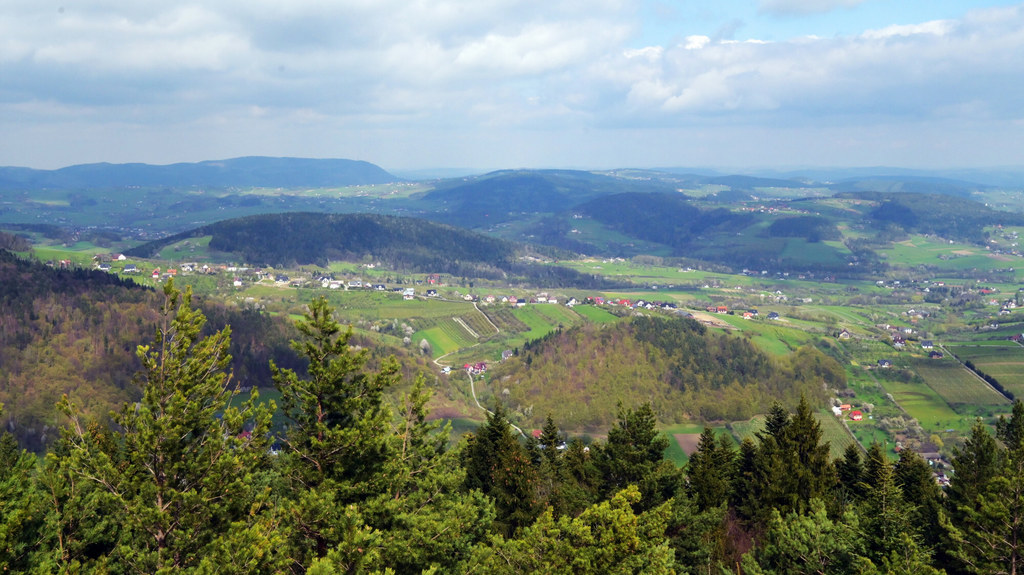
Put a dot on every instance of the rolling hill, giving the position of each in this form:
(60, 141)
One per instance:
(399, 243)
(238, 172)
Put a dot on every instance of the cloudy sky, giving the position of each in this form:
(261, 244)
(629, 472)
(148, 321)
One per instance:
(483, 84)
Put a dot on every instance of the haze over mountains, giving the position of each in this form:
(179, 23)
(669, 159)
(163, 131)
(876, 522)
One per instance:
(262, 171)
(249, 171)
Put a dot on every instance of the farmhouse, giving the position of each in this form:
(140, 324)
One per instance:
(856, 415)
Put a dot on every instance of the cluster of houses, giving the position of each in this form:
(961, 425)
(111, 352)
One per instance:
(748, 314)
(848, 410)
(475, 369)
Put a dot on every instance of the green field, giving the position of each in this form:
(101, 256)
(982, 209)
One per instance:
(675, 452)
(595, 314)
(926, 406)
(1003, 362)
(744, 429)
(835, 433)
(444, 337)
(956, 384)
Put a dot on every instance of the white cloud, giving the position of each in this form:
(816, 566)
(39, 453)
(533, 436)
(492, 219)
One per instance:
(696, 42)
(805, 6)
(935, 28)
(427, 69)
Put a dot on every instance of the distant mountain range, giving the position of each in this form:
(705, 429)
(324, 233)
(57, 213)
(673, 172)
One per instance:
(252, 171)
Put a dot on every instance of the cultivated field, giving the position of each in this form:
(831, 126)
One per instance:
(926, 406)
(956, 384)
(1003, 362)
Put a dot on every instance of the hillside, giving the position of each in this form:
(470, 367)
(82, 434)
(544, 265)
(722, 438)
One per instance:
(685, 370)
(399, 243)
(237, 172)
(510, 194)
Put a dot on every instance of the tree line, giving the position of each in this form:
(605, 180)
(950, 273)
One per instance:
(190, 479)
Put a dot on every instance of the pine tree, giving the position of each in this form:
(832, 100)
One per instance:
(606, 538)
(987, 501)
(422, 514)
(186, 470)
(709, 471)
(634, 454)
(497, 464)
(21, 506)
(336, 441)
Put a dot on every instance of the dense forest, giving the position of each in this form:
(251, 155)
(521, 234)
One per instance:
(75, 331)
(399, 243)
(944, 215)
(188, 478)
(676, 364)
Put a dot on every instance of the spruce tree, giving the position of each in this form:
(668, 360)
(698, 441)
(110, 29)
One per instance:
(186, 470)
(924, 498)
(498, 465)
(335, 441)
(21, 507)
(709, 471)
(634, 454)
(423, 515)
(986, 502)
(850, 475)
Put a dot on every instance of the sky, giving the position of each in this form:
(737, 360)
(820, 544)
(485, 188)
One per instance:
(489, 84)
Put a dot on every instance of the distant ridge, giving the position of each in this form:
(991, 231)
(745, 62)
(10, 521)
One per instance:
(252, 171)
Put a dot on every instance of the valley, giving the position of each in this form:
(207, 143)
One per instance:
(902, 312)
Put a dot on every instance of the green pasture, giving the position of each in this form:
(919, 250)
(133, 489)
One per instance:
(444, 338)
(743, 429)
(846, 316)
(995, 338)
(190, 249)
(1005, 363)
(918, 250)
(926, 406)
(675, 452)
(956, 384)
(540, 323)
(595, 314)
(835, 433)
(80, 252)
(773, 337)
(814, 253)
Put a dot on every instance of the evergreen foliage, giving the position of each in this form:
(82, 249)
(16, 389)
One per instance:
(184, 480)
(185, 471)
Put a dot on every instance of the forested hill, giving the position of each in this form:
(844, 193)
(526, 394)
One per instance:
(508, 194)
(682, 368)
(65, 331)
(399, 243)
(237, 172)
(75, 331)
(945, 215)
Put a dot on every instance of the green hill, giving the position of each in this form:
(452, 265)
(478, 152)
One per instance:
(685, 370)
(399, 243)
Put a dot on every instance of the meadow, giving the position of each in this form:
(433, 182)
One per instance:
(955, 384)
(1003, 362)
(922, 403)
